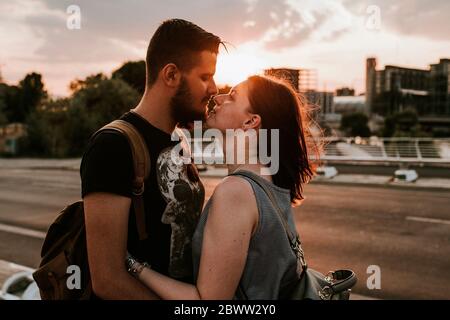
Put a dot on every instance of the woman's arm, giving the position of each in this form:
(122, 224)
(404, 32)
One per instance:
(232, 218)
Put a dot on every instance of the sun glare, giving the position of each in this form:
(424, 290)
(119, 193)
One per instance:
(234, 67)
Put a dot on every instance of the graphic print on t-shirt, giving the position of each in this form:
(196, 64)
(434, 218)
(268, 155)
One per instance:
(184, 194)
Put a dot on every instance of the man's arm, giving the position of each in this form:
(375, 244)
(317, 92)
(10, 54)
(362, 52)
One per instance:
(106, 219)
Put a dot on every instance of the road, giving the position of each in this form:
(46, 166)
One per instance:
(405, 232)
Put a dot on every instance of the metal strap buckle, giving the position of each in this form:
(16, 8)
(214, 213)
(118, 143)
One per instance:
(297, 248)
(138, 191)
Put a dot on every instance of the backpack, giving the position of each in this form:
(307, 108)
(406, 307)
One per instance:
(64, 250)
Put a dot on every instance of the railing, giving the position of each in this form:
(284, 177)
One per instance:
(417, 150)
(374, 149)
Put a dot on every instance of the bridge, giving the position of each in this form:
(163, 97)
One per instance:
(419, 151)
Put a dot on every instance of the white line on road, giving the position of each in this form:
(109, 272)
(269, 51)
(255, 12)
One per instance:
(429, 220)
(354, 296)
(22, 231)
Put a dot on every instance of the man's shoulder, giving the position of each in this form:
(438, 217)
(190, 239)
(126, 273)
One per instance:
(107, 147)
(109, 141)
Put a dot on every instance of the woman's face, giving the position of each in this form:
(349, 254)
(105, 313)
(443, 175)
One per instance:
(232, 110)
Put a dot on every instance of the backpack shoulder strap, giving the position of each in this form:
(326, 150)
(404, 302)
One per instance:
(141, 164)
(294, 239)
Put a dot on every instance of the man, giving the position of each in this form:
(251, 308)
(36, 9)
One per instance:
(181, 61)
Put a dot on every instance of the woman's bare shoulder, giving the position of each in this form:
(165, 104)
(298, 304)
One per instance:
(233, 188)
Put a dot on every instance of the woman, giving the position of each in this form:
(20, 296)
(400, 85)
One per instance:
(240, 248)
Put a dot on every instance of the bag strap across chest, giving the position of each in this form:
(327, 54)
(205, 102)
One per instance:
(293, 238)
(141, 165)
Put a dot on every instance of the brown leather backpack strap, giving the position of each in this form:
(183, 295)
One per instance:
(141, 163)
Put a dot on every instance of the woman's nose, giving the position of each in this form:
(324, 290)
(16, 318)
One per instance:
(219, 99)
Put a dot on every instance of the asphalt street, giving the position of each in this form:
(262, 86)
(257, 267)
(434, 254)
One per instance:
(405, 232)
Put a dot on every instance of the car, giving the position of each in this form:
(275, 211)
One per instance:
(326, 172)
(20, 286)
(404, 175)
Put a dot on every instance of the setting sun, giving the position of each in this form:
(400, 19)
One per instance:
(236, 65)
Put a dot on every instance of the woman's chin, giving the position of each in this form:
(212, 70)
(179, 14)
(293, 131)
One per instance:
(210, 123)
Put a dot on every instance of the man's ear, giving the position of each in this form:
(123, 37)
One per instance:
(171, 75)
(253, 122)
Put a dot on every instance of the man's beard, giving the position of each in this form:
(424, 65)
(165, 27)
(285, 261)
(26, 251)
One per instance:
(182, 106)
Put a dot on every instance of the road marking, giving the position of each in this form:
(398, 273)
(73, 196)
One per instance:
(354, 296)
(429, 220)
(22, 231)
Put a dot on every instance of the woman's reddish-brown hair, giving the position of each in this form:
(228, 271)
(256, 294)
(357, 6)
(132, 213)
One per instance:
(281, 107)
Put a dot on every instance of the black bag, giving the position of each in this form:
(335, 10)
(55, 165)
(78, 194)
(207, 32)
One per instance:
(65, 242)
(312, 285)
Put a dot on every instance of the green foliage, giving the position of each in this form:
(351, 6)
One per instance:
(103, 98)
(62, 127)
(355, 124)
(3, 118)
(45, 134)
(9, 100)
(31, 94)
(403, 124)
(133, 73)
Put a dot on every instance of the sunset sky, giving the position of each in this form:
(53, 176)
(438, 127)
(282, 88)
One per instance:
(333, 36)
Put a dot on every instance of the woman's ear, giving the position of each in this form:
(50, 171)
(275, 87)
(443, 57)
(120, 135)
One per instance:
(254, 122)
(171, 75)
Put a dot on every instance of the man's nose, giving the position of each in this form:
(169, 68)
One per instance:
(212, 88)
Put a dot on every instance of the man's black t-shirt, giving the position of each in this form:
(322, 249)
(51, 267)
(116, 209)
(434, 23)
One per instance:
(173, 196)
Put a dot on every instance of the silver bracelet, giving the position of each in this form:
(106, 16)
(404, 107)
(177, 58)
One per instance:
(134, 267)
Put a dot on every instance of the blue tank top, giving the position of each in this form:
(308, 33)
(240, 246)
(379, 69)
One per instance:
(271, 264)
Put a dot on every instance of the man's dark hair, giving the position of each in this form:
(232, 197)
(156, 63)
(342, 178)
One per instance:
(177, 41)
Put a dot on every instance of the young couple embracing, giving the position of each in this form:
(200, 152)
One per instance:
(233, 247)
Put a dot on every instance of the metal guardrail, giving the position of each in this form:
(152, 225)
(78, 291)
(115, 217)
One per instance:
(374, 149)
(398, 150)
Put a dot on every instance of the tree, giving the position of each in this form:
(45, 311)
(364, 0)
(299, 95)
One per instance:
(46, 130)
(3, 118)
(95, 101)
(102, 98)
(62, 127)
(403, 124)
(31, 93)
(133, 73)
(355, 124)
(9, 99)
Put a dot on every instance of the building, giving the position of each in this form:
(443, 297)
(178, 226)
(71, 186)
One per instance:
(307, 80)
(396, 89)
(9, 135)
(345, 92)
(304, 81)
(371, 80)
(322, 100)
(439, 87)
(349, 104)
